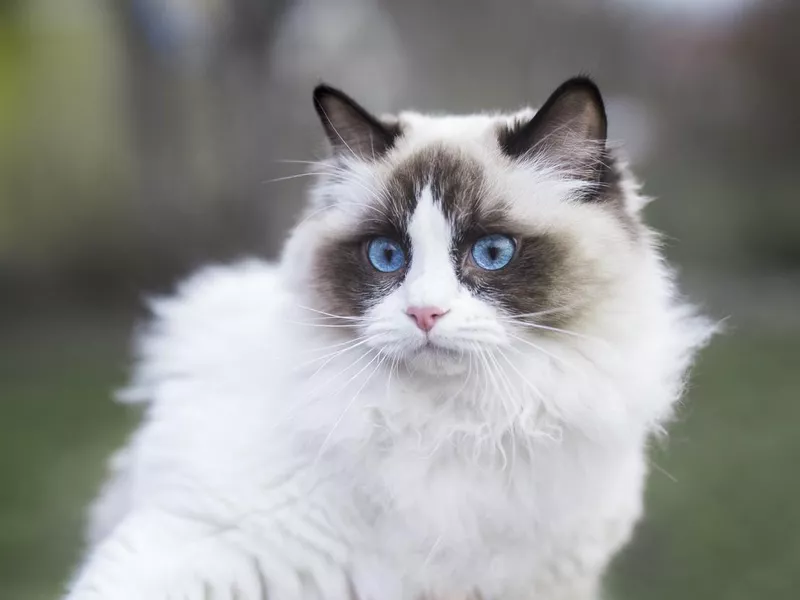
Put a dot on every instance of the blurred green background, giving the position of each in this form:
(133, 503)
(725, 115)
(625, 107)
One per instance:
(136, 140)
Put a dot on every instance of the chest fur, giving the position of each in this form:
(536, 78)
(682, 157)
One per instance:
(458, 523)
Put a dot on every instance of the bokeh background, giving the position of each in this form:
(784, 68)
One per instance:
(139, 138)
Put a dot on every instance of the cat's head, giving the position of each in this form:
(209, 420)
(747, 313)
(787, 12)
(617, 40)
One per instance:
(436, 237)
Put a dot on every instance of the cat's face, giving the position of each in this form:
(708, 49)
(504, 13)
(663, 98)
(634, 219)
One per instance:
(438, 238)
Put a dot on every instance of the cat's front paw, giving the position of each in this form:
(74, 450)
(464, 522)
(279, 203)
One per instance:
(159, 557)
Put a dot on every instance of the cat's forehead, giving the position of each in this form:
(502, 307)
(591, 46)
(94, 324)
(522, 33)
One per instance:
(456, 158)
(419, 129)
(456, 181)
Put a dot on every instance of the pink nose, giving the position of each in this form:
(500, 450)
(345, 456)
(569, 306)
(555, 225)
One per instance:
(425, 316)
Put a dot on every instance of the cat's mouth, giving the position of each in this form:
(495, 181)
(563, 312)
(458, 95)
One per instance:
(432, 349)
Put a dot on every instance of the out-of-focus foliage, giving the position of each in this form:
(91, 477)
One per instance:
(140, 138)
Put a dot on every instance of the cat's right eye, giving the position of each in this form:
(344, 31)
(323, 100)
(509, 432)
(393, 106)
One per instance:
(386, 255)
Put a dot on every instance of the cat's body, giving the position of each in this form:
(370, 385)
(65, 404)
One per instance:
(396, 419)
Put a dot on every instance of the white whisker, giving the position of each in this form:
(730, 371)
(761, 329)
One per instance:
(330, 346)
(332, 355)
(338, 374)
(519, 409)
(481, 363)
(511, 396)
(545, 352)
(333, 316)
(559, 330)
(324, 444)
(313, 163)
(541, 313)
(432, 551)
(311, 394)
(663, 471)
(392, 367)
(535, 389)
(287, 177)
(328, 325)
(336, 131)
(467, 378)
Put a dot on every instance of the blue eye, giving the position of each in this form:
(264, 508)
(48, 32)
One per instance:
(386, 255)
(493, 252)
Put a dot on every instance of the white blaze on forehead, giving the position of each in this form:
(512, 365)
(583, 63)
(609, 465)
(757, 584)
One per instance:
(431, 279)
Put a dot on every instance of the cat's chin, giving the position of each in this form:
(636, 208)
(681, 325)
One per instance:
(438, 360)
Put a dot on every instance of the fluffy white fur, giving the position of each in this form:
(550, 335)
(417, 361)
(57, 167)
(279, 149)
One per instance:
(283, 458)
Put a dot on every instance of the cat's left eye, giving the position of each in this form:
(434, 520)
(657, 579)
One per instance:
(493, 252)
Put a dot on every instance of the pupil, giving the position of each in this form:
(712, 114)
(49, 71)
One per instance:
(388, 253)
(493, 252)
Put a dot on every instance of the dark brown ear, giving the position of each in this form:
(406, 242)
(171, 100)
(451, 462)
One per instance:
(352, 130)
(570, 128)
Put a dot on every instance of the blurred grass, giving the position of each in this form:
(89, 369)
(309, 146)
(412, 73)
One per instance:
(723, 518)
(56, 426)
(722, 524)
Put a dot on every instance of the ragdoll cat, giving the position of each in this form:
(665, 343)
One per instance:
(445, 388)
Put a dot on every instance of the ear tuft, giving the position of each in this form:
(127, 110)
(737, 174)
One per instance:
(350, 128)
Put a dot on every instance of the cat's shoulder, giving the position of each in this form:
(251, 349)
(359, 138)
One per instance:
(223, 298)
(216, 318)
(220, 295)
(247, 284)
